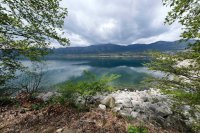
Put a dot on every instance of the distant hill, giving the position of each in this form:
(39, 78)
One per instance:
(114, 48)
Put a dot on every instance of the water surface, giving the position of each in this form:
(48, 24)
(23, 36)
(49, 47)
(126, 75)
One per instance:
(132, 71)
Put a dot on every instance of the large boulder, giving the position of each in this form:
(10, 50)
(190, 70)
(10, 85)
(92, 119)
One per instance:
(159, 109)
(109, 101)
(163, 111)
(125, 102)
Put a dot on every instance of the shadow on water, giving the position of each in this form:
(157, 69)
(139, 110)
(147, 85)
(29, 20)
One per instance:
(110, 63)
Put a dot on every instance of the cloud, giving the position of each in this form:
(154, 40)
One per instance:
(170, 35)
(121, 22)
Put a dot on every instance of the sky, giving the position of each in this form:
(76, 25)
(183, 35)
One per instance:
(121, 22)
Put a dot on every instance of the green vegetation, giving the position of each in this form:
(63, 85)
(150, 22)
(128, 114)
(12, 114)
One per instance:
(69, 91)
(7, 101)
(129, 118)
(182, 70)
(37, 106)
(26, 30)
(89, 86)
(140, 129)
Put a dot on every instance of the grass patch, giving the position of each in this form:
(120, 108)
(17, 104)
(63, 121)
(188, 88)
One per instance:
(140, 129)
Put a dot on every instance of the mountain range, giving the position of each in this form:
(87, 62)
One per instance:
(114, 48)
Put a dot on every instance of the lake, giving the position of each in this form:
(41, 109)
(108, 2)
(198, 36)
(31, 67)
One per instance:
(132, 71)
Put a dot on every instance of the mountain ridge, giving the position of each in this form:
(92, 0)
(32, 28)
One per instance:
(115, 48)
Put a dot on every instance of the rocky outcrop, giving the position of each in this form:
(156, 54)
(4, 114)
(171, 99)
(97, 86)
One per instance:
(147, 105)
(139, 104)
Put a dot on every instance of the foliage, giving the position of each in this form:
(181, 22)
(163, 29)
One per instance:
(37, 106)
(27, 28)
(31, 79)
(89, 86)
(181, 80)
(56, 99)
(7, 101)
(187, 14)
(181, 69)
(140, 129)
(6, 91)
(129, 118)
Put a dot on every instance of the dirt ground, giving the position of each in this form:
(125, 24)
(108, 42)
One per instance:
(57, 118)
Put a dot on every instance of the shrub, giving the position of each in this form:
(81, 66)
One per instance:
(129, 118)
(7, 101)
(37, 106)
(90, 85)
(140, 129)
(31, 80)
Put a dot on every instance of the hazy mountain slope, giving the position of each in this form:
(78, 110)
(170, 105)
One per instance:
(113, 48)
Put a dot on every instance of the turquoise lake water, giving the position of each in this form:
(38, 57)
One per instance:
(132, 71)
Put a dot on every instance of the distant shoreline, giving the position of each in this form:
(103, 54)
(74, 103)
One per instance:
(103, 56)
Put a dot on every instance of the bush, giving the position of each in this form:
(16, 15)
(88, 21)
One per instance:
(7, 101)
(89, 86)
(31, 80)
(141, 129)
(37, 106)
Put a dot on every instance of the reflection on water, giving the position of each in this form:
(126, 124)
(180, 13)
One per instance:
(57, 71)
(132, 71)
(111, 63)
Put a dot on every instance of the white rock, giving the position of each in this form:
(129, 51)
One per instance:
(102, 107)
(59, 130)
(118, 91)
(134, 114)
(145, 99)
(117, 108)
(135, 103)
(153, 107)
(126, 112)
(109, 101)
(46, 96)
(186, 108)
(163, 111)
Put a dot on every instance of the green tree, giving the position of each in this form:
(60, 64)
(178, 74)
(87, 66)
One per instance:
(182, 69)
(27, 28)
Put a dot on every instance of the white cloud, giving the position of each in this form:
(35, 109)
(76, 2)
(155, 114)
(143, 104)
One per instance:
(75, 40)
(121, 22)
(171, 35)
(107, 29)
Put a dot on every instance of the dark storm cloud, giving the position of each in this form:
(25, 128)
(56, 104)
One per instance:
(117, 21)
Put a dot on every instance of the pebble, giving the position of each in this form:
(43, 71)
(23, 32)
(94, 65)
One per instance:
(102, 107)
(59, 130)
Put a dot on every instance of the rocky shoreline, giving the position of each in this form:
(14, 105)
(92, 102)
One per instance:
(139, 104)
(147, 105)
(150, 107)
